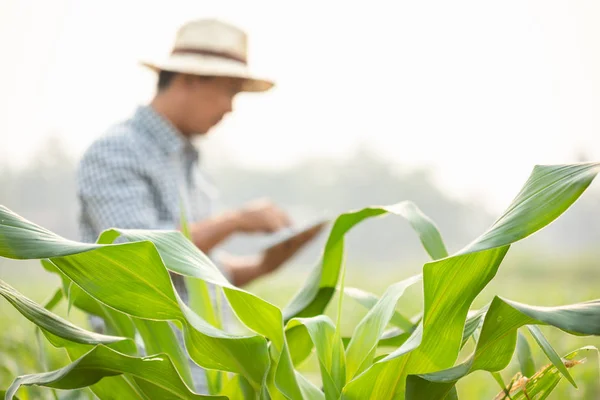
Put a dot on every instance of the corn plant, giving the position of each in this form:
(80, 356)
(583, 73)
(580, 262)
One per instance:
(388, 356)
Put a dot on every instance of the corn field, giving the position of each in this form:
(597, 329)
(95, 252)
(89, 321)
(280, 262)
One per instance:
(390, 355)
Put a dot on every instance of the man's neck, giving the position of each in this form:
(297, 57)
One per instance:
(165, 108)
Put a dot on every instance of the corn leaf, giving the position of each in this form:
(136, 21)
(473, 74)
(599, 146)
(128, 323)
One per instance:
(498, 338)
(309, 391)
(108, 387)
(451, 284)
(314, 296)
(51, 322)
(524, 355)
(238, 388)
(321, 332)
(116, 323)
(106, 272)
(368, 300)
(301, 344)
(54, 300)
(3, 394)
(551, 353)
(182, 257)
(133, 279)
(540, 385)
(156, 372)
(159, 337)
(363, 344)
(286, 380)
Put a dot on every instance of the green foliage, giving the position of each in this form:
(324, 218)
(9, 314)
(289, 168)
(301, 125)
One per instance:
(129, 286)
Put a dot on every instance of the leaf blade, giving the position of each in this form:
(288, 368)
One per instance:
(102, 362)
(550, 352)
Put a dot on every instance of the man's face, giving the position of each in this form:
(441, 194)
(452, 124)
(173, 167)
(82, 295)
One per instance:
(207, 101)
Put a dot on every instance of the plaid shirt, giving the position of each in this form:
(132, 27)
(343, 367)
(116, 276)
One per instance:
(134, 177)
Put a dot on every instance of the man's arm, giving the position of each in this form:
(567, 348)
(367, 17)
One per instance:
(115, 193)
(258, 216)
(209, 233)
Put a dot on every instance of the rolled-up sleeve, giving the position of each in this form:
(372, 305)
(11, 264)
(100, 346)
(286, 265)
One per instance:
(114, 190)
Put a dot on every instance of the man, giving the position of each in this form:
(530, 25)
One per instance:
(143, 170)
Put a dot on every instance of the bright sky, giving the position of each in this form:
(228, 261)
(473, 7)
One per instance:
(479, 90)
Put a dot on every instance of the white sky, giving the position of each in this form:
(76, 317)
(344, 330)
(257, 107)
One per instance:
(479, 90)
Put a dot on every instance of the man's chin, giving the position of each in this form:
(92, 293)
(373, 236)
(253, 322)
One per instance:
(201, 134)
(206, 131)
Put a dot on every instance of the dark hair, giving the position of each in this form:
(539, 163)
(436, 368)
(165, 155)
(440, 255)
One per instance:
(164, 79)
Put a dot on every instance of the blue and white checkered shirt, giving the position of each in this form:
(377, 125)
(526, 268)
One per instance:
(134, 176)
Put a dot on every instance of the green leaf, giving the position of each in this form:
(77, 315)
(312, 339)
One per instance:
(396, 337)
(150, 293)
(71, 296)
(314, 296)
(212, 348)
(540, 385)
(368, 300)
(285, 377)
(524, 354)
(238, 388)
(107, 388)
(474, 322)
(107, 271)
(159, 337)
(453, 395)
(3, 394)
(363, 344)
(309, 391)
(451, 284)
(426, 229)
(156, 370)
(549, 191)
(197, 289)
(498, 338)
(116, 323)
(51, 322)
(200, 301)
(498, 378)
(550, 352)
(54, 300)
(301, 344)
(330, 351)
(182, 257)
(214, 380)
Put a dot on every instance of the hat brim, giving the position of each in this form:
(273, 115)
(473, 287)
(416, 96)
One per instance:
(201, 65)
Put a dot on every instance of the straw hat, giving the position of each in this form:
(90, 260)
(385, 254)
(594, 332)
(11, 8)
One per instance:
(210, 47)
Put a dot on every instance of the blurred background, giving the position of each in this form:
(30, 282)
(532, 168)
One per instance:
(447, 104)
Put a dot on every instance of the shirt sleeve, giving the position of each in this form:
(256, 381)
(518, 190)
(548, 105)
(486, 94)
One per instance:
(114, 191)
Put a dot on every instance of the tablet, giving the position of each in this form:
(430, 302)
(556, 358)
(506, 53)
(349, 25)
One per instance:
(289, 233)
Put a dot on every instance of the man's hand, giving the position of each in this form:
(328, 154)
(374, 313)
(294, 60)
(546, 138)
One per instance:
(257, 216)
(261, 216)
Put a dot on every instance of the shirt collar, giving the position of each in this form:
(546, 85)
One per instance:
(166, 136)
